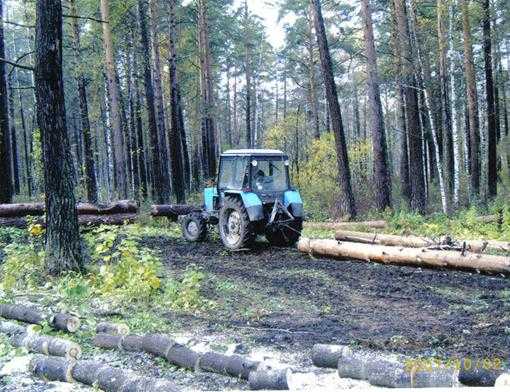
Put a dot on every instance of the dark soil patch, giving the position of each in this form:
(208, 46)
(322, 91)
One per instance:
(283, 299)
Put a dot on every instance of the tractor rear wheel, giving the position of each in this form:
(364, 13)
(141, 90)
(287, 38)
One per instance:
(234, 225)
(194, 227)
(285, 234)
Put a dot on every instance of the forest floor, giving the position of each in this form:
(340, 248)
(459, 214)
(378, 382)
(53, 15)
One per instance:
(275, 304)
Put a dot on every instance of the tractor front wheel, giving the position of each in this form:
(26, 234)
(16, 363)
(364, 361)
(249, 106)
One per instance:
(194, 227)
(234, 225)
(285, 234)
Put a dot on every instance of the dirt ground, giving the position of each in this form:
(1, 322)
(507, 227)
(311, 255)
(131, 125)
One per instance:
(280, 298)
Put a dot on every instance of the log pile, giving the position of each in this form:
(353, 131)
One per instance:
(475, 246)
(422, 257)
(116, 213)
(29, 314)
(381, 369)
(377, 224)
(94, 373)
(258, 375)
(172, 211)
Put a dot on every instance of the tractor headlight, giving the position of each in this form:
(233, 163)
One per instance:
(254, 162)
(286, 163)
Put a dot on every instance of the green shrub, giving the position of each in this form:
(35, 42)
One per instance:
(185, 294)
(23, 267)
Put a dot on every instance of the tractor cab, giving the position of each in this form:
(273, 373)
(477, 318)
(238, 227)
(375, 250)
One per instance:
(253, 195)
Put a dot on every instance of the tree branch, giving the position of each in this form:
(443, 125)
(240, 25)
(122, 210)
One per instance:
(84, 17)
(19, 24)
(27, 67)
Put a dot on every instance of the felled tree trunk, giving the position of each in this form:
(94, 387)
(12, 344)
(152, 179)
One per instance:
(116, 219)
(235, 365)
(408, 256)
(379, 224)
(37, 209)
(326, 355)
(59, 321)
(476, 246)
(112, 328)
(272, 379)
(47, 345)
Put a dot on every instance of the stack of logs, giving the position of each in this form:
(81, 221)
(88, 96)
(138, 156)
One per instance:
(259, 375)
(412, 250)
(400, 371)
(116, 213)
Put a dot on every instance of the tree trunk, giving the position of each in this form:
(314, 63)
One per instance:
(418, 201)
(492, 171)
(6, 190)
(90, 165)
(63, 247)
(247, 70)
(347, 204)
(382, 181)
(158, 99)
(314, 109)
(159, 191)
(14, 139)
(119, 156)
(140, 145)
(472, 99)
(175, 135)
(207, 109)
(405, 256)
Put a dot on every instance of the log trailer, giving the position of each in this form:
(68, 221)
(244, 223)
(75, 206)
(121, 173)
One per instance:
(252, 196)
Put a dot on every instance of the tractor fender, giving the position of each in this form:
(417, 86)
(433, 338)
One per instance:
(209, 195)
(292, 200)
(251, 202)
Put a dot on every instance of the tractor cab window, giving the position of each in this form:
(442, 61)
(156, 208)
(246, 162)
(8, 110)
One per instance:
(269, 174)
(232, 173)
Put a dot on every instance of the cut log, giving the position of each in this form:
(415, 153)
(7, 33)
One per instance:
(27, 314)
(37, 209)
(112, 328)
(273, 379)
(478, 376)
(214, 362)
(326, 355)
(65, 322)
(52, 368)
(392, 370)
(182, 356)
(476, 246)
(157, 344)
(84, 220)
(48, 345)
(105, 341)
(378, 224)
(172, 211)
(132, 343)
(87, 372)
(229, 365)
(11, 329)
(144, 384)
(112, 379)
(408, 256)
(241, 367)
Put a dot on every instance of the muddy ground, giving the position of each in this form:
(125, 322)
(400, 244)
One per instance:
(274, 304)
(290, 301)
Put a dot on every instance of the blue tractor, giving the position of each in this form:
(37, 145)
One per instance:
(252, 196)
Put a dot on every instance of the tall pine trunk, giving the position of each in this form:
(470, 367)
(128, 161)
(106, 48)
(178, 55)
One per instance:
(90, 165)
(119, 156)
(6, 188)
(382, 182)
(347, 205)
(472, 106)
(492, 173)
(247, 70)
(63, 248)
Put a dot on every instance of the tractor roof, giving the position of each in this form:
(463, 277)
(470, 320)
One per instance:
(252, 151)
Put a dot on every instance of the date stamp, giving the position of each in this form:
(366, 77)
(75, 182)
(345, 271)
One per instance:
(429, 364)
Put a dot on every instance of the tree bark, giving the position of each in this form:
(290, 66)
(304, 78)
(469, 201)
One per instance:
(63, 247)
(472, 99)
(177, 145)
(418, 201)
(382, 181)
(6, 189)
(492, 171)
(159, 190)
(347, 204)
(90, 165)
(314, 107)
(14, 139)
(247, 70)
(119, 156)
(406, 256)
